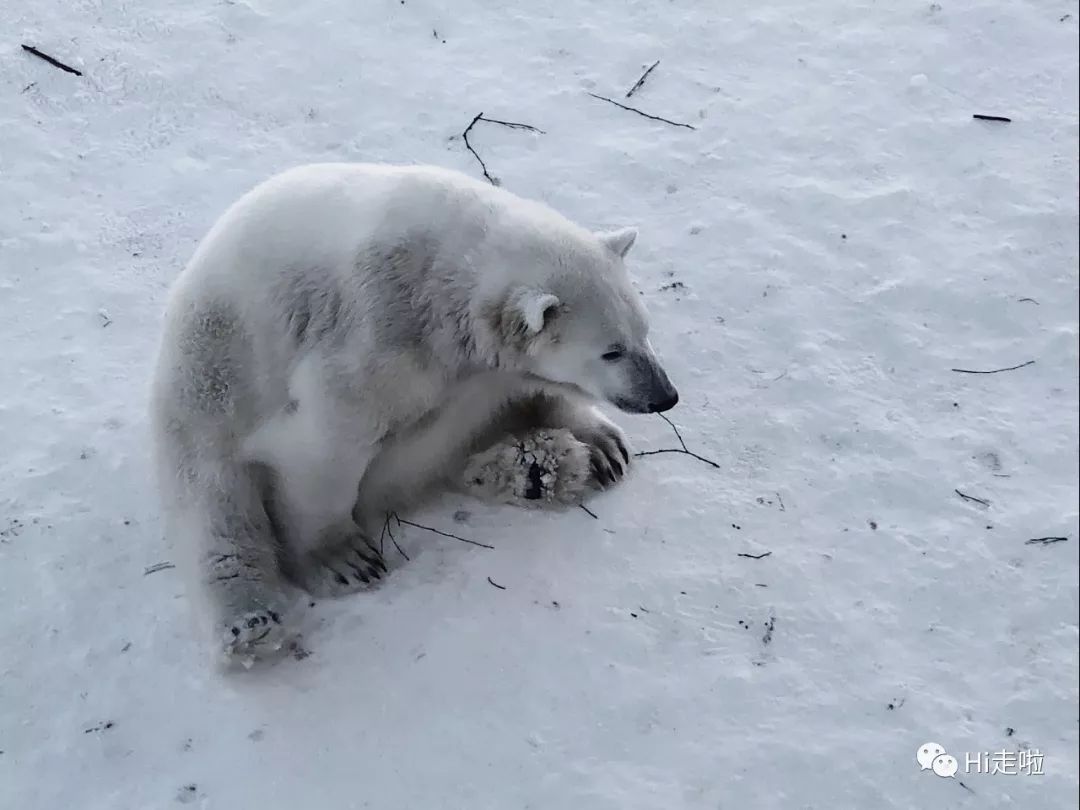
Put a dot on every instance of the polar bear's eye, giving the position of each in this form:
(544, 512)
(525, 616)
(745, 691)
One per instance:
(612, 355)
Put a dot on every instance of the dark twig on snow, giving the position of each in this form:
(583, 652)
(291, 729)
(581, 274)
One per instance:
(1044, 541)
(971, 498)
(161, 566)
(677, 434)
(1028, 300)
(641, 81)
(684, 453)
(465, 137)
(710, 462)
(388, 532)
(511, 124)
(645, 114)
(993, 370)
(496, 584)
(979, 117)
(439, 532)
(588, 511)
(51, 60)
(683, 449)
(755, 556)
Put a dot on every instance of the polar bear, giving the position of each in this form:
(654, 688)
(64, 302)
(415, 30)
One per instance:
(349, 337)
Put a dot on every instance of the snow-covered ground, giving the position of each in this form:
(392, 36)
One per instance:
(834, 235)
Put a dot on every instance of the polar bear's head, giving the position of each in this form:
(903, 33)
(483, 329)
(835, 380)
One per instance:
(571, 315)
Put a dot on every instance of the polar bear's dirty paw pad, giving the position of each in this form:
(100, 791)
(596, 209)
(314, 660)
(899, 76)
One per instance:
(542, 468)
(253, 635)
(344, 566)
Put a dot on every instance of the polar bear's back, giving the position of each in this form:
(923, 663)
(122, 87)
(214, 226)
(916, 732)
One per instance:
(322, 215)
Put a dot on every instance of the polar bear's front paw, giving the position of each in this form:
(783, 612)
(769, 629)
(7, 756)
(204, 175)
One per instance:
(609, 454)
(545, 467)
(342, 566)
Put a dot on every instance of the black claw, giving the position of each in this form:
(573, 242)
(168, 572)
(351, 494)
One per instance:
(340, 579)
(625, 454)
(358, 572)
(275, 617)
(371, 556)
(375, 573)
(235, 631)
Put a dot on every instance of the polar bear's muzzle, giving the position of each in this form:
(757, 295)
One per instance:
(650, 390)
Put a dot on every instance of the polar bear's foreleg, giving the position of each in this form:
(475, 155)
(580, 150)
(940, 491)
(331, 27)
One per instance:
(498, 437)
(319, 450)
(561, 451)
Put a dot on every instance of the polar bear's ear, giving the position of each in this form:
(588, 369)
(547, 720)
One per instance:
(619, 242)
(534, 309)
(522, 314)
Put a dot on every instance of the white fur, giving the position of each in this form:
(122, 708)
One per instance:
(351, 328)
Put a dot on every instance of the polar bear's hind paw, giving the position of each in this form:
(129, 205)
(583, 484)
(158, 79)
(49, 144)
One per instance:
(542, 468)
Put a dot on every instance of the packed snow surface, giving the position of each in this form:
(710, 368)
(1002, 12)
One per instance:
(826, 239)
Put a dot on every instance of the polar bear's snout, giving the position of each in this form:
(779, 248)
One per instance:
(651, 391)
(665, 396)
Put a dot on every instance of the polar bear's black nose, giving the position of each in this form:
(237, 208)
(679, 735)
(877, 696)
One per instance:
(666, 404)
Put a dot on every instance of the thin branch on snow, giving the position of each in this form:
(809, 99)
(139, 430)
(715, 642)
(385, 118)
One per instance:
(510, 124)
(387, 532)
(442, 533)
(993, 370)
(161, 566)
(496, 584)
(51, 60)
(1028, 300)
(971, 498)
(677, 450)
(1044, 541)
(683, 449)
(588, 511)
(677, 434)
(645, 114)
(1002, 118)
(641, 81)
(755, 556)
